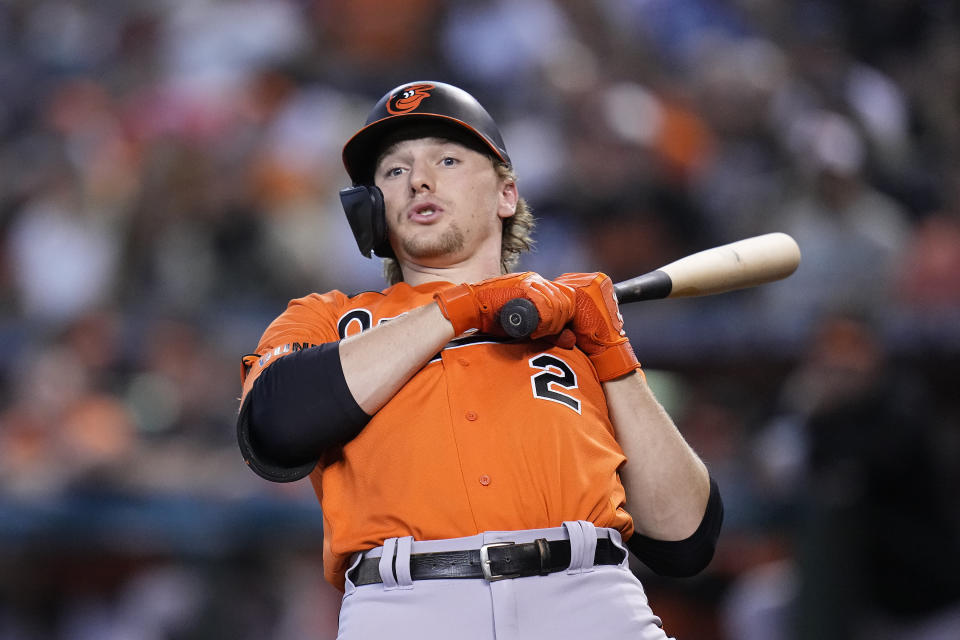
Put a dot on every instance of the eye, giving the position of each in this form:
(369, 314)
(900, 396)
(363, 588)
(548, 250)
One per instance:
(393, 172)
(449, 161)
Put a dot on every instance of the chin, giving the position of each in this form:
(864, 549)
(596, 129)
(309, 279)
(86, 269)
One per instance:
(446, 246)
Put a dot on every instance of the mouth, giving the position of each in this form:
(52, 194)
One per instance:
(424, 212)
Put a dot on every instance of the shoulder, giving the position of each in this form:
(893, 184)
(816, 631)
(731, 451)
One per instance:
(318, 300)
(340, 311)
(333, 305)
(331, 301)
(398, 294)
(335, 296)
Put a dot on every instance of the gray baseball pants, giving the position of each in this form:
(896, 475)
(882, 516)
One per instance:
(585, 601)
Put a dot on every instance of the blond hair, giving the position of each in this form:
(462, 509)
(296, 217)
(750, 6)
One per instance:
(517, 235)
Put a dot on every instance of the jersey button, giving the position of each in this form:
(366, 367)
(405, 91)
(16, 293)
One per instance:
(464, 362)
(471, 415)
(484, 479)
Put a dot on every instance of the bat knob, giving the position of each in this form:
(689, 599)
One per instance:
(519, 317)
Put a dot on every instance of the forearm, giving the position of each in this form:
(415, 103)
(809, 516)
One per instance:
(378, 362)
(666, 483)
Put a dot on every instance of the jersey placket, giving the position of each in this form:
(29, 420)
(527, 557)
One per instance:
(469, 400)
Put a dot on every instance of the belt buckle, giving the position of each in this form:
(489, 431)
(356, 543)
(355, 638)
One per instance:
(485, 562)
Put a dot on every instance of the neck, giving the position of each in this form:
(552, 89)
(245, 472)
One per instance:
(470, 270)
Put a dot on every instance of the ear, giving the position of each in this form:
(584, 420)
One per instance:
(508, 199)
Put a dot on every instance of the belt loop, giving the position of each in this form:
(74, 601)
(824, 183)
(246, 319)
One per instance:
(618, 543)
(386, 564)
(575, 532)
(404, 547)
(589, 555)
(348, 585)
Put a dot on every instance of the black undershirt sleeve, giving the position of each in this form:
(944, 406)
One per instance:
(298, 408)
(683, 558)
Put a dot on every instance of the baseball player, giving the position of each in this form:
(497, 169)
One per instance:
(472, 486)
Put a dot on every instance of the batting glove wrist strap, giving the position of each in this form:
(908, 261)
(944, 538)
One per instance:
(598, 325)
(459, 306)
(615, 361)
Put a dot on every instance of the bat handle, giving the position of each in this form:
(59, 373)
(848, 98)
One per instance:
(519, 317)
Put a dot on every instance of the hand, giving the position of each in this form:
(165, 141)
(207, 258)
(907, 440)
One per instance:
(477, 306)
(598, 325)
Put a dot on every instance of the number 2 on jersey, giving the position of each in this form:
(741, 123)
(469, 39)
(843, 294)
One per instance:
(554, 374)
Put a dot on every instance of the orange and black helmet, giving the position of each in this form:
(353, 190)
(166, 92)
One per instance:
(414, 108)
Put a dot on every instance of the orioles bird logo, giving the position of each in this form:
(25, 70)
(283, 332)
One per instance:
(408, 99)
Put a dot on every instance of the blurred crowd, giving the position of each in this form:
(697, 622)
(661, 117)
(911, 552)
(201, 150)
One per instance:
(168, 181)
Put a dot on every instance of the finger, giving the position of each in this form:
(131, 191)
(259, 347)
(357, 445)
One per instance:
(566, 339)
(558, 309)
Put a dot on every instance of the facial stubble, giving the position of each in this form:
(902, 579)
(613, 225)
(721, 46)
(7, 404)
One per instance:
(450, 241)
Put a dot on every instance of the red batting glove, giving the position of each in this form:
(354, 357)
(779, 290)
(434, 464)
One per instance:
(477, 306)
(598, 325)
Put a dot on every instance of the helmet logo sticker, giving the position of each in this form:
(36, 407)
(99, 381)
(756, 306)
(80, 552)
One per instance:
(408, 99)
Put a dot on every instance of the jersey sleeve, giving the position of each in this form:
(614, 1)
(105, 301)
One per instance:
(306, 322)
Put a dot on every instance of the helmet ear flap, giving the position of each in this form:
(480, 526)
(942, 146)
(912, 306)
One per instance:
(366, 214)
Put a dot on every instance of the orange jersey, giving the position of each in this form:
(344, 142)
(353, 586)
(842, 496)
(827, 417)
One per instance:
(490, 434)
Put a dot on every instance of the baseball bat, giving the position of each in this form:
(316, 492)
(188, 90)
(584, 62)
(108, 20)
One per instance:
(744, 263)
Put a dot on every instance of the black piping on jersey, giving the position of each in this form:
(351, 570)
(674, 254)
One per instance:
(688, 557)
(299, 408)
(468, 341)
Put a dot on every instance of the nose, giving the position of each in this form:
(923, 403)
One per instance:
(421, 178)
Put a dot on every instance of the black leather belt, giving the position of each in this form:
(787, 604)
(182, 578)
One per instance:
(495, 561)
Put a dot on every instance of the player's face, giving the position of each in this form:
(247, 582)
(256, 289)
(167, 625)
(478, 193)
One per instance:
(444, 202)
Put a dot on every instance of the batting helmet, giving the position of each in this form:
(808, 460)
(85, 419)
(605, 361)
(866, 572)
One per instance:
(414, 109)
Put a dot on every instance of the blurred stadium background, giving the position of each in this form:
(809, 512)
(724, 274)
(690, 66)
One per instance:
(168, 179)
